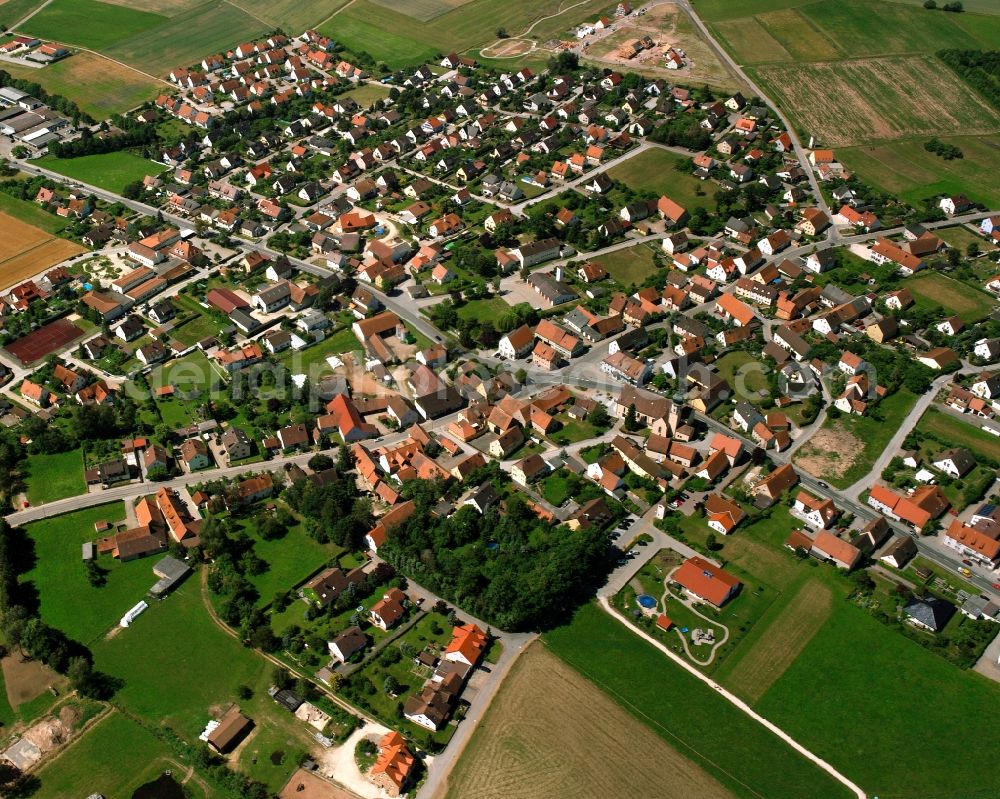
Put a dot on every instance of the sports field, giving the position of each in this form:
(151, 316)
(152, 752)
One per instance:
(861, 100)
(689, 715)
(511, 754)
(43, 341)
(906, 169)
(100, 86)
(111, 171)
(89, 23)
(933, 290)
(866, 698)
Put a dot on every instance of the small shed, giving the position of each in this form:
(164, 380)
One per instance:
(664, 622)
(88, 550)
(233, 728)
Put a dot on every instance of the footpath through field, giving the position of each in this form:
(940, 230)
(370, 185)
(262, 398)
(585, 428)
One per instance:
(739, 703)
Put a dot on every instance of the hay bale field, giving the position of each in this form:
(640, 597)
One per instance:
(852, 102)
(785, 637)
(542, 735)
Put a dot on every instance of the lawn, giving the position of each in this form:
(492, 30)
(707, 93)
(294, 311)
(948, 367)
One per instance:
(865, 698)
(95, 761)
(185, 39)
(31, 214)
(51, 477)
(932, 290)
(655, 171)
(961, 237)
(958, 433)
(491, 309)
(905, 169)
(630, 266)
(193, 372)
(368, 94)
(683, 711)
(59, 576)
(110, 171)
(744, 373)
(179, 668)
(513, 745)
(555, 489)
(100, 86)
(290, 559)
(314, 356)
(194, 330)
(89, 23)
(844, 449)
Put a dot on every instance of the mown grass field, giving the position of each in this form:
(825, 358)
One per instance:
(62, 583)
(629, 266)
(692, 718)
(30, 214)
(959, 433)
(95, 761)
(89, 23)
(655, 170)
(187, 38)
(510, 754)
(933, 290)
(903, 96)
(13, 11)
(904, 168)
(111, 171)
(100, 86)
(51, 477)
(178, 667)
(865, 698)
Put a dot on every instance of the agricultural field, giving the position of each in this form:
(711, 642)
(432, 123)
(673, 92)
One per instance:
(510, 755)
(31, 214)
(843, 450)
(864, 697)
(422, 10)
(903, 96)
(780, 641)
(110, 171)
(13, 11)
(51, 477)
(629, 266)
(686, 713)
(904, 168)
(933, 290)
(749, 41)
(89, 23)
(959, 433)
(100, 86)
(61, 580)
(26, 250)
(188, 37)
(398, 39)
(655, 171)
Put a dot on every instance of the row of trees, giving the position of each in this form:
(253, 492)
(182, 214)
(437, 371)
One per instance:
(89, 144)
(54, 101)
(979, 68)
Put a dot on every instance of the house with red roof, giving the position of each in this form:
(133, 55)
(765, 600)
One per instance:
(706, 582)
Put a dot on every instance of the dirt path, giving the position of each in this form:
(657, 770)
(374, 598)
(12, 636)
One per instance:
(690, 606)
(857, 790)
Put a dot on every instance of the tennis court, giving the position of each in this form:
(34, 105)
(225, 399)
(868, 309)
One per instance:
(44, 341)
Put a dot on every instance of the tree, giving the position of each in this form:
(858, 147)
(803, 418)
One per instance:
(930, 4)
(244, 692)
(320, 462)
(631, 423)
(599, 416)
(390, 685)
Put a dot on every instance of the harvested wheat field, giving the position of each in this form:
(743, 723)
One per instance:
(868, 99)
(550, 732)
(17, 236)
(830, 453)
(19, 268)
(785, 637)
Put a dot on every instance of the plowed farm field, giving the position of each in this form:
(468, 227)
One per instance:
(26, 250)
(869, 99)
(550, 732)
